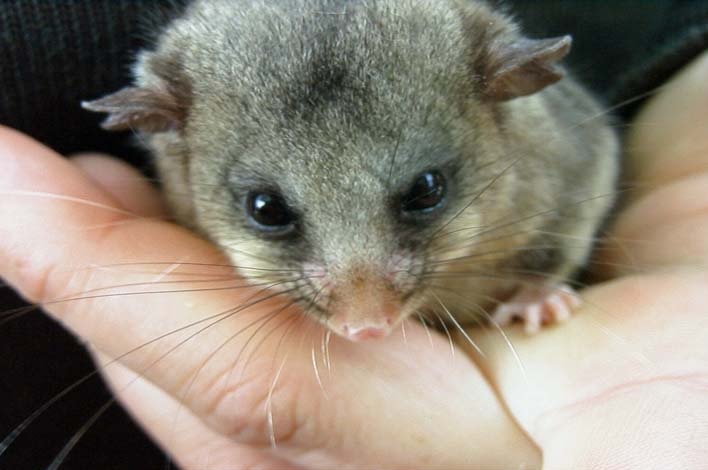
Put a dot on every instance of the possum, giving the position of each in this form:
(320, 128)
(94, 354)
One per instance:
(379, 159)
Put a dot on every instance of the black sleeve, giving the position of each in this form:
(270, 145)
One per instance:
(56, 53)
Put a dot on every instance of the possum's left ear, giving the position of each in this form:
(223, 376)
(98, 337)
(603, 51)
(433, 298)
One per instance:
(523, 67)
(141, 109)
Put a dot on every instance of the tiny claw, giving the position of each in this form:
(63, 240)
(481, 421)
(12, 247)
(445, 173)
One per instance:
(536, 306)
(533, 318)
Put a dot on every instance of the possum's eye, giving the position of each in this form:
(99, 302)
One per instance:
(268, 212)
(425, 195)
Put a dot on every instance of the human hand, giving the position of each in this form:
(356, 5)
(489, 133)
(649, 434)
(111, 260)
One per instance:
(625, 383)
(249, 389)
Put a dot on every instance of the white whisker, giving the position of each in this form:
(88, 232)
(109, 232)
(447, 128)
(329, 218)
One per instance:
(269, 405)
(459, 327)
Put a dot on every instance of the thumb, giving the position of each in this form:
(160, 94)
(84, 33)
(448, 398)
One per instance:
(624, 382)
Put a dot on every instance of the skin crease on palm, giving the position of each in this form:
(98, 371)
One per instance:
(624, 384)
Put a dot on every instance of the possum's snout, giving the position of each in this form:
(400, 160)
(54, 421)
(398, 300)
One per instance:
(362, 302)
(371, 316)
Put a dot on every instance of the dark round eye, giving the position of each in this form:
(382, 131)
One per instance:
(268, 211)
(426, 194)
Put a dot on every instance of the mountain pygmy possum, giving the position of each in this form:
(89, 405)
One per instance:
(379, 159)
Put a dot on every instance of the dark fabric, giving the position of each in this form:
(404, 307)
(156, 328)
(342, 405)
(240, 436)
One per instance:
(55, 53)
(622, 49)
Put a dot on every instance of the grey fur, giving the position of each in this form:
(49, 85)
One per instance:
(340, 105)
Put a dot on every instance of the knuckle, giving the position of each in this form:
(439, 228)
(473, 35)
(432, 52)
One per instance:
(53, 277)
(33, 279)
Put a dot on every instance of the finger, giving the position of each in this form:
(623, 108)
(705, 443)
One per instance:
(176, 429)
(666, 227)
(363, 423)
(244, 375)
(668, 140)
(124, 183)
(627, 373)
(665, 220)
(70, 243)
(624, 381)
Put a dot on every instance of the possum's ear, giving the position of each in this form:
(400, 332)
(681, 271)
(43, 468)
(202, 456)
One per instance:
(523, 67)
(137, 108)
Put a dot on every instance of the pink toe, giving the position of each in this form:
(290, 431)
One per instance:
(532, 319)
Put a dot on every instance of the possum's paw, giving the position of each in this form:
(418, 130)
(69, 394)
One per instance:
(537, 306)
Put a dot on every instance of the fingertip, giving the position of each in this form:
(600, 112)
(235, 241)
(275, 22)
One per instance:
(123, 182)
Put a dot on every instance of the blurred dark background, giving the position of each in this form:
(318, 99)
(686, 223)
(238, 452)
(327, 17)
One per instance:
(55, 53)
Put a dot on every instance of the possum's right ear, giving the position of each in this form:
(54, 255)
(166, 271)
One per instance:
(524, 66)
(136, 108)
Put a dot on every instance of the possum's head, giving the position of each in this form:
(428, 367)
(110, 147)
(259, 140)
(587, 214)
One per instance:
(334, 147)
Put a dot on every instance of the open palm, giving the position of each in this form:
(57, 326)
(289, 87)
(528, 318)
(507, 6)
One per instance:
(622, 385)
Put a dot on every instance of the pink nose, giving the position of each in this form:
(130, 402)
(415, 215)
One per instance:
(364, 333)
